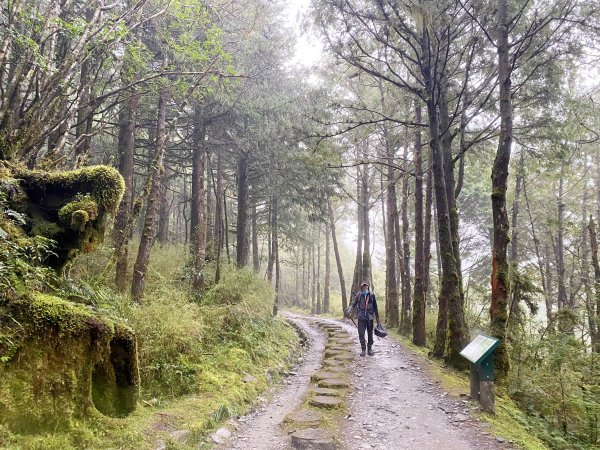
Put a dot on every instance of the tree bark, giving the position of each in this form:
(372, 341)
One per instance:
(255, 255)
(338, 260)
(500, 269)
(242, 209)
(198, 200)
(358, 276)
(418, 319)
(405, 320)
(126, 143)
(154, 176)
(327, 283)
(391, 280)
(275, 251)
(219, 228)
(595, 315)
(514, 312)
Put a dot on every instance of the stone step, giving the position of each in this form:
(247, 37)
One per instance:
(304, 417)
(344, 357)
(312, 439)
(325, 401)
(326, 391)
(333, 383)
(330, 362)
(330, 352)
(322, 374)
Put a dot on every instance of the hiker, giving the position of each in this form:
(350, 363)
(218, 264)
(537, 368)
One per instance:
(366, 305)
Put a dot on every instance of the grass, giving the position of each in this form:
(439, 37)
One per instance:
(195, 356)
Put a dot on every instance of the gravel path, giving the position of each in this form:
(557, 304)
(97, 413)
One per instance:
(260, 429)
(393, 405)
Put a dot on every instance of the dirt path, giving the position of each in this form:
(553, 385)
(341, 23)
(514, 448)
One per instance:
(393, 404)
(260, 429)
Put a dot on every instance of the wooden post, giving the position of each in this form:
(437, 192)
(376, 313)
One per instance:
(474, 381)
(487, 397)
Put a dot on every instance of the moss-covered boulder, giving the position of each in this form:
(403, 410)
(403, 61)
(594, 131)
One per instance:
(62, 361)
(72, 207)
(59, 360)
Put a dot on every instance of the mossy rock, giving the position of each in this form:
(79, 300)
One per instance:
(67, 362)
(325, 401)
(304, 417)
(333, 383)
(322, 374)
(72, 208)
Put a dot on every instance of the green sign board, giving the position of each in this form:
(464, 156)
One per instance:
(480, 348)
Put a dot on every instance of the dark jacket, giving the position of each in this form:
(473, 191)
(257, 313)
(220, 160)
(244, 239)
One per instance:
(360, 301)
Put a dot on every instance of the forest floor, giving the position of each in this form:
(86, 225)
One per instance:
(393, 403)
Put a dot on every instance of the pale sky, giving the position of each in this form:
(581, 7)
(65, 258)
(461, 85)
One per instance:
(309, 50)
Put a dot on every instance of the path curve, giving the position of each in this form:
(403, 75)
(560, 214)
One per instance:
(393, 404)
(260, 429)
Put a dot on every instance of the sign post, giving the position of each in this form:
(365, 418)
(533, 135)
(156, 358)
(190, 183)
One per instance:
(480, 352)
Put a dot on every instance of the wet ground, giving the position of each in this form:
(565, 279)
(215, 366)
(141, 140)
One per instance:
(393, 404)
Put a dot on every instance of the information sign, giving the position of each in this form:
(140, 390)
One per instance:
(479, 348)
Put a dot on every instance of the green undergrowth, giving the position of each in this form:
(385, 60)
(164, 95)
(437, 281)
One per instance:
(201, 360)
(509, 422)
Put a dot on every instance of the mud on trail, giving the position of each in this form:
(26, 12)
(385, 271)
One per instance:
(391, 404)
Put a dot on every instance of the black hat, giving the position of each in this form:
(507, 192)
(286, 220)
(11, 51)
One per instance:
(380, 331)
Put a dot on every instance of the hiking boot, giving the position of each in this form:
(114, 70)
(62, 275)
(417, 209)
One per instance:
(362, 353)
(371, 352)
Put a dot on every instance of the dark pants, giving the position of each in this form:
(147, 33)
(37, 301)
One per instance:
(365, 324)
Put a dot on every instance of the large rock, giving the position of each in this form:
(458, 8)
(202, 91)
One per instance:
(333, 383)
(322, 374)
(326, 391)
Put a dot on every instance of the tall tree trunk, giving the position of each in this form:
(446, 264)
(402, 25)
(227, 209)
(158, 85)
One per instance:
(458, 333)
(313, 303)
(564, 320)
(595, 315)
(500, 268)
(514, 312)
(210, 232)
(391, 280)
(427, 237)
(164, 212)
(255, 255)
(219, 228)
(327, 283)
(405, 320)
(318, 279)
(449, 291)
(358, 275)
(366, 257)
(588, 231)
(154, 176)
(271, 261)
(338, 260)
(275, 251)
(123, 228)
(242, 216)
(198, 200)
(418, 319)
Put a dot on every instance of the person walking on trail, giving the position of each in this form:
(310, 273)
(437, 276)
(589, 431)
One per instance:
(366, 305)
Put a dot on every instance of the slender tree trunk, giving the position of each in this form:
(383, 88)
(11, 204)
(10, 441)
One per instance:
(313, 303)
(271, 261)
(198, 200)
(366, 258)
(210, 233)
(595, 315)
(164, 212)
(358, 275)
(427, 237)
(126, 143)
(242, 216)
(219, 228)
(338, 260)
(327, 284)
(275, 251)
(405, 320)
(500, 268)
(391, 280)
(255, 255)
(318, 279)
(147, 239)
(449, 291)
(418, 319)
(514, 312)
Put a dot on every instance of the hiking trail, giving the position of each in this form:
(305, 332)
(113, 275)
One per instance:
(391, 403)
